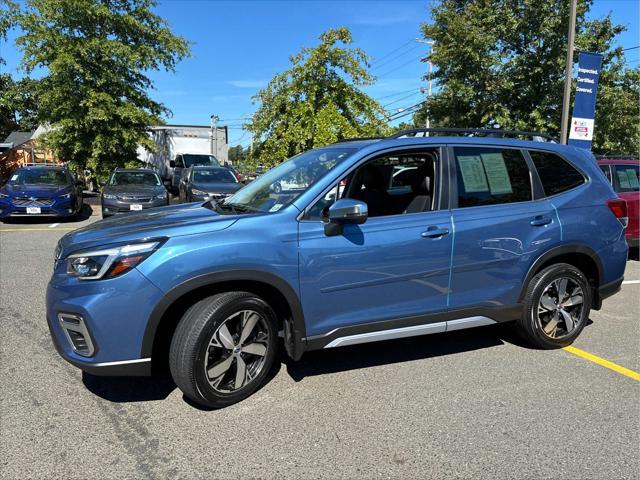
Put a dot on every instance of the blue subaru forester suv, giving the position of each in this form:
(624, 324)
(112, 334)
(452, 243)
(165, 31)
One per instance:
(360, 241)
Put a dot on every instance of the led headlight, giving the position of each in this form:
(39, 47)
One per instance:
(195, 191)
(108, 196)
(66, 195)
(162, 196)
(109, 262)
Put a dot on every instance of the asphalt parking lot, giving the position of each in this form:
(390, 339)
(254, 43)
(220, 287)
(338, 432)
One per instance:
(473, 403)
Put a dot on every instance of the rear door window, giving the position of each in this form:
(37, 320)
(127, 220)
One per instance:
(490, 176)
(556, 174)
(627, 176)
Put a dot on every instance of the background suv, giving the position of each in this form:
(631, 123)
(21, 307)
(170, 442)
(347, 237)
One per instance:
(41, 190)
(477, 231)
(623, 173)
(205, 183)
(133, 190)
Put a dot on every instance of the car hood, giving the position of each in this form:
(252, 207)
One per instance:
(218, 187)
(35, 190)
(134, 189)
(171, 221)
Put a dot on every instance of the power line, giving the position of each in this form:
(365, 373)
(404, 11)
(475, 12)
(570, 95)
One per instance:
(391, 52)
(630, 48)
(397, 93)
(397, 68)
(400, 99)
(391, 60)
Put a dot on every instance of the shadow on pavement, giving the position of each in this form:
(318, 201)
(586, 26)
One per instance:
(374, 354)
(320, 362)
(634, 253)
(129, 389)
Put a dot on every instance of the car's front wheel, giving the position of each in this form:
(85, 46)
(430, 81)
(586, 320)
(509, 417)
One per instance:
(223, 348)
(557, 306)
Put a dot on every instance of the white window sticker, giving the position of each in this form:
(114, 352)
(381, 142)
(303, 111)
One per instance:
(276, 207)
(473, 175)
(623, 178)
(497, 173)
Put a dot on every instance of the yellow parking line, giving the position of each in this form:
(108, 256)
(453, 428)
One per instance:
(47, 229)
(604, 363)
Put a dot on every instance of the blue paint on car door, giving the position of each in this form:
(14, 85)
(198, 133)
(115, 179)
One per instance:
(389, 267)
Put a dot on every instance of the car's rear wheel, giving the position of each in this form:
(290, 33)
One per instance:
(557, 306)
(223, 348)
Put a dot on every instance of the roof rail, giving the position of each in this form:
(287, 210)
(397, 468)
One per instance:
(472, 132)
(357, 139)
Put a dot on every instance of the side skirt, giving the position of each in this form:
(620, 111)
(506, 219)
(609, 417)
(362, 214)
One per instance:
(414, 326)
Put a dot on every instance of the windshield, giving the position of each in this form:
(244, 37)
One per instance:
(40, 177)
(134, 178)
(282, 185)
(213, 175)
(190, 160)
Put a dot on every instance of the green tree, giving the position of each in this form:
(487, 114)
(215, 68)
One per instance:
(97, 55)
(18, 105)
(501, 62)
(317, 101)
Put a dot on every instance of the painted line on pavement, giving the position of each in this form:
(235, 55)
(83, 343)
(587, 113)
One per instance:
(631, 282)
(36, 229)
(54, 225)
(604, 363)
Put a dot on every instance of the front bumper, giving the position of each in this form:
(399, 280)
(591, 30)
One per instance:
(62, 207)
(115, 312)
(115, 207)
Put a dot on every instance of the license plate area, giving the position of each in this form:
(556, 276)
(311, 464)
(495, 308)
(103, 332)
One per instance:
(34, 210)
(136, 207)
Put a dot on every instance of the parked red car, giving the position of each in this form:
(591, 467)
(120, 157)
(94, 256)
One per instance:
(623, 173)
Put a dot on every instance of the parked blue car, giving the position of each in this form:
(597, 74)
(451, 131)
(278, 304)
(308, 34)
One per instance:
(41, 191)
(376, 239)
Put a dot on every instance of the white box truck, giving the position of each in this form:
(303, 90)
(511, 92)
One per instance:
(177, 145)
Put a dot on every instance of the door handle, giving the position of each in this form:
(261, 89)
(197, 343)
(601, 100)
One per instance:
(540, 221)
(435, 232)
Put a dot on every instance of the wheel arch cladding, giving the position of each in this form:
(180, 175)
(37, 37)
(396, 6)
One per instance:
(274, 290)
(582, 257)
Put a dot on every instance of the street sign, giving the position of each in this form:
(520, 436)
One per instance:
(584, 105)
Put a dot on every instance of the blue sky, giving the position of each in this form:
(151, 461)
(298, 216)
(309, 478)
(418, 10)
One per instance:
(239, 45)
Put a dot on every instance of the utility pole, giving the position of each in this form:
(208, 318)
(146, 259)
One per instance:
(214, 135)
(566, 99)
(430, 71)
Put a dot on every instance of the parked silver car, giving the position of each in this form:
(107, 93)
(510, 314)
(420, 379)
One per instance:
(131, 190)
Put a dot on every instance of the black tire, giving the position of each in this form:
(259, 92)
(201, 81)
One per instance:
(529, 326)
(190, 346)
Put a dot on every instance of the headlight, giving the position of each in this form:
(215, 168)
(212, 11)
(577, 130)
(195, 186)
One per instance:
(66, 195)
(195, 191)
(162, 196)
(108, 196)
(4, 195)
(110, 262)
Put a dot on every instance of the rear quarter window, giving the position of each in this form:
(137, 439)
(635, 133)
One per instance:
(556, 174)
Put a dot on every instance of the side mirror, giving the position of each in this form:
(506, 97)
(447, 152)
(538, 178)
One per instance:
(172, 163)
(345, 211)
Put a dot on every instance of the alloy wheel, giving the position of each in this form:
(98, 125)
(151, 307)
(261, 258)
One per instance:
(560, 308)
(236, 352)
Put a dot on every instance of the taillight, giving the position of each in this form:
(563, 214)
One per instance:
(618, 207)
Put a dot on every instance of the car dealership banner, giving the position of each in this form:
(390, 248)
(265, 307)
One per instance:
(584, 105)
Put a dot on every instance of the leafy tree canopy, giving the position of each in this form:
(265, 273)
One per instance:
(96, 54)
(317, 101)
(501, 62)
